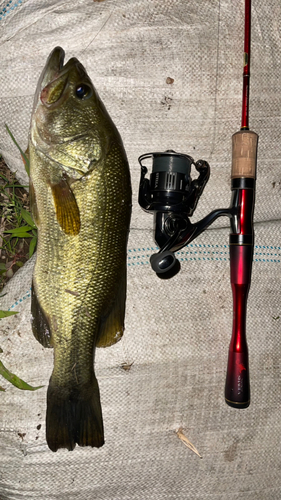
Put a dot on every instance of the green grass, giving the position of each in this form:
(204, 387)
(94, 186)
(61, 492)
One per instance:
(15, 380)
(18, 233)
(18, 239)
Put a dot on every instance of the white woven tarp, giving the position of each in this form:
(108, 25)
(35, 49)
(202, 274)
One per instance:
(177, 331)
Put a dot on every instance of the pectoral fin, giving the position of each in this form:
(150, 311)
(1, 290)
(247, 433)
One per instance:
(66, 207)
(40, 325)
(112, 326)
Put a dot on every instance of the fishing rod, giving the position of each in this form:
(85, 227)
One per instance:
(172, 195)
(243, 175)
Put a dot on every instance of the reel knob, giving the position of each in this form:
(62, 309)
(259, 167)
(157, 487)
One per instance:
(164, 262)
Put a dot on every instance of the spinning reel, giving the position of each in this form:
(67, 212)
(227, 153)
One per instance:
(172, 195)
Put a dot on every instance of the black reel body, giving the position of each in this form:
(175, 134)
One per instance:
(172, 195)
(170, 187)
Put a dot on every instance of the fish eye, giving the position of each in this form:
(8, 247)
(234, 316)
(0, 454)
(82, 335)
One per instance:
(83, 91)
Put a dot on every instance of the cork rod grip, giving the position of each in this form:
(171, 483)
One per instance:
(244, 154)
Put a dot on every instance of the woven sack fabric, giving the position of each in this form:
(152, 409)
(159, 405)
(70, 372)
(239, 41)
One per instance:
(168, 371)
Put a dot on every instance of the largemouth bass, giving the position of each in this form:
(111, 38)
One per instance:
(80, 195)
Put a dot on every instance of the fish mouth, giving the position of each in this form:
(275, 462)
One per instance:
(51, 70)
(55, 69)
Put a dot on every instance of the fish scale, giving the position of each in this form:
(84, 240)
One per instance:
(79, 281)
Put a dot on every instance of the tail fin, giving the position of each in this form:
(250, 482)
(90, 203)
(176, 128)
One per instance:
(74, 416)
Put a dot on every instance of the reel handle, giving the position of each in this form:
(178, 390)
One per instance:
(163, 262)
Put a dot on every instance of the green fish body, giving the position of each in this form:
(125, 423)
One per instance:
(80, 194)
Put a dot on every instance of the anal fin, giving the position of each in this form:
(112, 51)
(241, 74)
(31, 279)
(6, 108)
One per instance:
(40, 326)
(112, 325)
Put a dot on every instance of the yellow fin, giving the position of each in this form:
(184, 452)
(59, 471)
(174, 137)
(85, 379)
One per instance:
(67, 210)
(112, 326)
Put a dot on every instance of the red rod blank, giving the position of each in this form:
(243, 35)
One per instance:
(246, 72)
